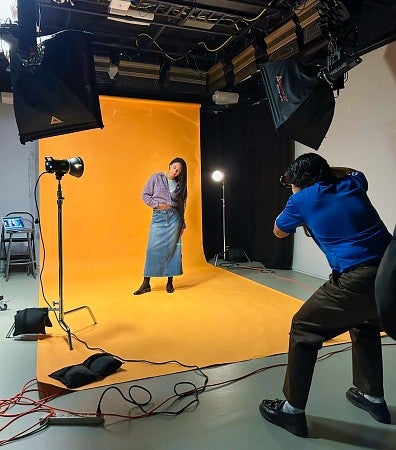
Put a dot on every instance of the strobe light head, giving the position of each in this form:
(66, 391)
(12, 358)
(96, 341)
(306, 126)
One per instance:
(73, 166)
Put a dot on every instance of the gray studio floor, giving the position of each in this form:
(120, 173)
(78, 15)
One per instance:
(226, 417)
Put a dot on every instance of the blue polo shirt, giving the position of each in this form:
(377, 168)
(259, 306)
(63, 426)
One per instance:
(341, 219)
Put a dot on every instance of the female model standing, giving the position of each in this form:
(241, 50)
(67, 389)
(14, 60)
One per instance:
(166, 193)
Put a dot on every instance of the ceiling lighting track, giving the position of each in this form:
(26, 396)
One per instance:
(75, 10)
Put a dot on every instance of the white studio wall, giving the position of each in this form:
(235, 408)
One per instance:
(362, 136)
(18, 166)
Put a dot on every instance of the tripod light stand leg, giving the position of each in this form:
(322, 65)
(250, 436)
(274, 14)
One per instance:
(83, 307)
(66, 327)
(246, 256)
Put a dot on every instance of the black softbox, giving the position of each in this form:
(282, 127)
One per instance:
(56, 95)
(302, 105)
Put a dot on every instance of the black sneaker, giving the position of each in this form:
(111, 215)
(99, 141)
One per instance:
(295, 423)
(379, 411)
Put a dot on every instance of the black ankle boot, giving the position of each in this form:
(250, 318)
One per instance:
(143, 289)
(169, 288)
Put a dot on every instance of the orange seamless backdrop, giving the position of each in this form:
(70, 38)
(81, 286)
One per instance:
(105, 222)
(213, 317)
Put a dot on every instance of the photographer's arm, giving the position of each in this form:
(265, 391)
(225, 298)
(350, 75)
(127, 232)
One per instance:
(279, 233)
(340, 172)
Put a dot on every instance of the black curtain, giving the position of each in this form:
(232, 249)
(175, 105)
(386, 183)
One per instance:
(242, 141)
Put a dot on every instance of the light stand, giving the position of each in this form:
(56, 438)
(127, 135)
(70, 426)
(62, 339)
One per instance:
(219, 176)
(75, 167)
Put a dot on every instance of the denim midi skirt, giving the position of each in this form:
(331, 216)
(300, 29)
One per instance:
(163, 256)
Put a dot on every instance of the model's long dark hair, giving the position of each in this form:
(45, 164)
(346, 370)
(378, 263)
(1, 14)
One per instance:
(307, 170)
(182, 181)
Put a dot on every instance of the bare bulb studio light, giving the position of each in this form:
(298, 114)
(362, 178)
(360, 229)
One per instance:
(218, 176)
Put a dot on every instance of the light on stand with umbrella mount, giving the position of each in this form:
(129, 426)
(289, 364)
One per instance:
(60, 167)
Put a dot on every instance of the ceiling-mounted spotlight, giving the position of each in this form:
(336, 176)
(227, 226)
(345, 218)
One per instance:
(225, 98)
(73, 166)
(339, 63)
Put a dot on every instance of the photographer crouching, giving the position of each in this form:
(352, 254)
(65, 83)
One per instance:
(333, 207)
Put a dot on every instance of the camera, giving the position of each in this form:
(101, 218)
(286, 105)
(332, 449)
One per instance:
(285, 180)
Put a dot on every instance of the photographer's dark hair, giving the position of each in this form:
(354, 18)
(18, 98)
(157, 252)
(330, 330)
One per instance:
(307, 169)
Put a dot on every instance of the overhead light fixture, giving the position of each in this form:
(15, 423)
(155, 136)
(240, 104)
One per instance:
(122, 8)
(187, 75)
(138, 69)
(218, 76)
(282, 43)
(104, 65)
(8, 11)
(137, 75)
(225, 98)
(73, 166)
(309, 20)
(339, 64)
(244, 64)
(185, 79)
